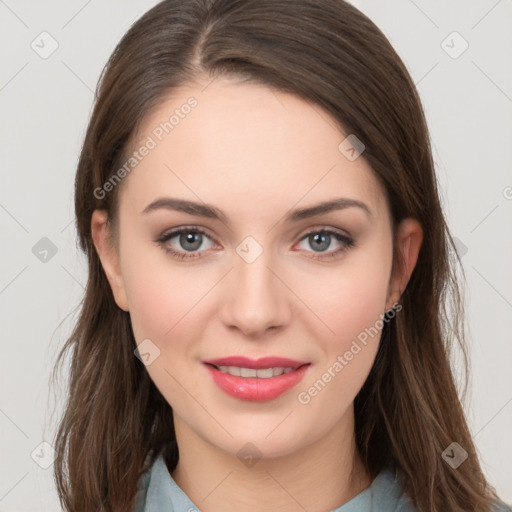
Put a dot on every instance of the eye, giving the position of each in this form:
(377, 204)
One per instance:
(190, 239)
(322, 239)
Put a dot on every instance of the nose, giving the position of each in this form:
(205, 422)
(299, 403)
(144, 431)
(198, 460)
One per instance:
(257, 298)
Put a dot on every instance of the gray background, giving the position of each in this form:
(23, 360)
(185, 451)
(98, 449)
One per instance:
(45, 106)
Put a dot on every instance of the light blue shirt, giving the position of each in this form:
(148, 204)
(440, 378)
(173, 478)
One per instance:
(158, 492)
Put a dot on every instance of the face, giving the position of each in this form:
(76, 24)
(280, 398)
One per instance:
(256, 274)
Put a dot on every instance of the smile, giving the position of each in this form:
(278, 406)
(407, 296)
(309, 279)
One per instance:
(256, 380)
(263, 373)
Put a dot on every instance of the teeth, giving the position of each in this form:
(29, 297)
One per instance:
(262, 373)
(265, 373)
(248, 372)
(234, 370)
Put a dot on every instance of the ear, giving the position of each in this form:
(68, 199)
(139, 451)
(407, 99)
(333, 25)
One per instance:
(409, 239)
(109, 256)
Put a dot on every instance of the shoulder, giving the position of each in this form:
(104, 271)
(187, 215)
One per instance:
(501, 507)
(385, 494)
(142, 489)
(158, 491)
(388, 495)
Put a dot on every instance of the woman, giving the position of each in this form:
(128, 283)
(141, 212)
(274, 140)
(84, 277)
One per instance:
(252, 370)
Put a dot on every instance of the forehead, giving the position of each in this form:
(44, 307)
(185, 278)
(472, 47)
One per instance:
(244, 145)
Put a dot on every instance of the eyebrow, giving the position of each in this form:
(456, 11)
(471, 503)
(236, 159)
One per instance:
(211, 212)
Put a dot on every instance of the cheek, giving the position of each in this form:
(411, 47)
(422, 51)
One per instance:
(351, 303)
(164, 297)
(354, 314)
(351, 297)
(155, 292)
(159, 302)
(165, 302)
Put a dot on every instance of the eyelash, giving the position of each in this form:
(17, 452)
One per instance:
(347, 241)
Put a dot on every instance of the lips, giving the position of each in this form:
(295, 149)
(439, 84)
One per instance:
(256, 379)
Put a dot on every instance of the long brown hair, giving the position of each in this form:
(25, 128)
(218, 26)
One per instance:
(408, 412)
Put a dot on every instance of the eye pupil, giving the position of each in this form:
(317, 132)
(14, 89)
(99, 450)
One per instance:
(192, 238)
(323, 239)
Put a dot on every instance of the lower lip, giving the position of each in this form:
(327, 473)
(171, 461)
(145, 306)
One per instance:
(254, 389)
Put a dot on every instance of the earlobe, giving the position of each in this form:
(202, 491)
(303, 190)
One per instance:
(109, 257)
(409, 240)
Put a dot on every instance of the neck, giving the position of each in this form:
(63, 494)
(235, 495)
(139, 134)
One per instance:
(320, 476)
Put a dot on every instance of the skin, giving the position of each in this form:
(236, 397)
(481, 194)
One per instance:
(255, 154)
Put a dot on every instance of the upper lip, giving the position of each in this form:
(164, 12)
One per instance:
(262, 362)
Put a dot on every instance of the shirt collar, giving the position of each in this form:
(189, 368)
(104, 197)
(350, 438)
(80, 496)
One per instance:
(158, 491)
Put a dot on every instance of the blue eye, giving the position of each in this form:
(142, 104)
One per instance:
(191, 239)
